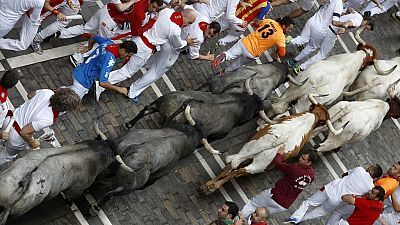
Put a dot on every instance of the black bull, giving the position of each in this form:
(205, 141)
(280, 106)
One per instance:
(216, 115)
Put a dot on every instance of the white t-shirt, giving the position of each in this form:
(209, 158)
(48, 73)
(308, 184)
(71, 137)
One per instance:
(14, 9)
(164, 29)
(194, 31)
(355, 17)
(358, 182)
(217, 7)
(36, 111)
(327, 13)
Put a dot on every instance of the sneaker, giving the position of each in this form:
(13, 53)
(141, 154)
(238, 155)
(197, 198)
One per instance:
(395, 17)
(288, 39)
(98, 90)
(136, 100)
(297, 69)
(218, 60)
(290, 220)
(51, 37)
(36, 47)
(74, 59)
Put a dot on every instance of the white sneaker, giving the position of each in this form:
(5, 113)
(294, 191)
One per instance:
(98, 90)
(76, 59)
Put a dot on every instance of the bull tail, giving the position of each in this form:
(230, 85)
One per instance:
(147, 110)
(4, 212)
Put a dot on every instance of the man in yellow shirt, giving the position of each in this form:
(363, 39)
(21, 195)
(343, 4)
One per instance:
(268, 34)
(390, 182)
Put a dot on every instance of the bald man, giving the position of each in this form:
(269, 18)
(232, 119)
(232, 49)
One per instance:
(167, 28)
(258, 217)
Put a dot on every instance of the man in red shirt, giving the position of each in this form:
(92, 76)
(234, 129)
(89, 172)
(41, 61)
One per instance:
(368, 207)
(296, 177)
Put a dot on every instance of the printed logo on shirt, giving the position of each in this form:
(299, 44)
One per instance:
(302, 182)
(93, 56)
(106, 75)
(111, 63)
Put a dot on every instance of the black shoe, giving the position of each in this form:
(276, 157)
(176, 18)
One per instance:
(51, 37)
(73, 61)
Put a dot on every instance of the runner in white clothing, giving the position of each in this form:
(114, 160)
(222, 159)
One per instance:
(316, 28)
(7, 81)
(351, 20)
(358, 181)
(391, 213)
(383, 7)
(10, 12)
(39, 112)
(167, 28)
(60, 9)
(222, 11)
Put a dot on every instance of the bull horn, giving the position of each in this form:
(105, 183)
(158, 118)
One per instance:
(265, 117)
(311, 97)
(209, 148)
(97, 131)
(357, 36)
(391, 91)
(295, 82)
(359, 90)
(123, 165)
(247, 86)
(380, 71)
(189, 117)
(333, 130)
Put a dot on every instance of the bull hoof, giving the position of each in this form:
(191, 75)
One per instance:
(128, 125)
(207, 189)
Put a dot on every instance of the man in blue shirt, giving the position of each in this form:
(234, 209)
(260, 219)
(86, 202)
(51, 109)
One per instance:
(99, 65)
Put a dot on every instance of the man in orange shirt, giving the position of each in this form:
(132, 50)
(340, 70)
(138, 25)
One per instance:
(268, 34)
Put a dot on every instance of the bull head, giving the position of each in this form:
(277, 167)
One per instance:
(370, 59)
(322, 114)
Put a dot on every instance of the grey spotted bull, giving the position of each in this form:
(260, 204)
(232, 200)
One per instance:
(148, 153)
(262, 79)
(213, 115)
(43, 174)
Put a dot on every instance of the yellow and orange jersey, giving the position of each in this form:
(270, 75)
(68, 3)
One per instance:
(389, 184)
(248, 10)
(268, 34)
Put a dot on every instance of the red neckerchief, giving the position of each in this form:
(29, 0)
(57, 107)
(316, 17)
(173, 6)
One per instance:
(3, 94)
(203, 26)
(55, 114)
(177, 18)
(260, 223)
(114, 49)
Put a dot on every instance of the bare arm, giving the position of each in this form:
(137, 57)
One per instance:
(109, 86)
(395, 203)
(350, 199)
(124, 6)
(54, 11)
(27, 134)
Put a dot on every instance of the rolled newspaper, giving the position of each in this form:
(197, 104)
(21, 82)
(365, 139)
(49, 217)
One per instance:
(74, 17)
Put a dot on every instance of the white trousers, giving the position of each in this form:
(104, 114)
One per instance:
(343, 211)
(100, 22)
(240, 56)
(78, 88)
(325, 46)
(158, 64)
(342, 222)
(8, 18)
(14, 144)
(27, 33)
(387, 4)
(57, 25)
(323, 205)
(263, 199)
(134, 64)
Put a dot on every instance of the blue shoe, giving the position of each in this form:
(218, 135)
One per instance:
(136, 100)
(290, 220)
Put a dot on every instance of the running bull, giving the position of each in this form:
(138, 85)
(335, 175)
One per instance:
(370, 85)
(43, 174)
(255, 156)
(213, 115)
(330, 76)
(364, 116)
(149, 154)
(262, 79)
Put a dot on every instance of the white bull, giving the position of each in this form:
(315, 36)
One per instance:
(364, 117)
(330, 76)
(292, 131)
(370, 85)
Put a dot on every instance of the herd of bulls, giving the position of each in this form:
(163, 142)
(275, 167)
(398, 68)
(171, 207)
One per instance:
(191, 118)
